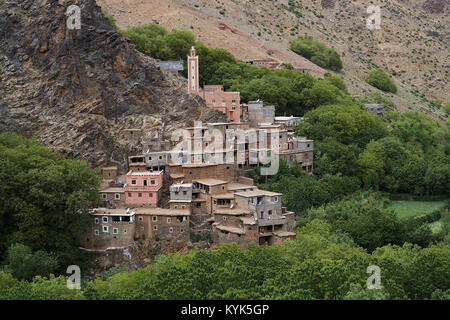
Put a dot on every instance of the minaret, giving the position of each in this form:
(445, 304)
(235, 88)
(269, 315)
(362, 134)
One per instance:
(193, 73)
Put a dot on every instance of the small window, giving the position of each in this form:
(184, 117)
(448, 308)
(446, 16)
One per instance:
(175, 206)
(140, 195)
(129, 194)
(105, 219)
(154, 218)
(185, 192)
(169, 220)
(155, 228)
(160, 157)
(104, 195)
(152, 182)
(141, 219)
(150, 195)
(133, 181)
(275, 199)
(97, 220)
(96, 232)
(199, 205)
(117, 196)
(170, 230)
(224, 218)
(115, 230)
(105, 229)
(181, 230)
(125, 231)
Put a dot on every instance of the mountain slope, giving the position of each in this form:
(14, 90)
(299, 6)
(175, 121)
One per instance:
(77, 90)
(412, 44)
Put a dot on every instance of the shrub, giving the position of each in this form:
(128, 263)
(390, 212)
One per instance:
(381, 80)
(317, 53)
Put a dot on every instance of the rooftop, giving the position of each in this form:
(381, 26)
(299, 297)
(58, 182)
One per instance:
(144, 173)
(162, 212)
(223, 196)
(239, 186)
(113, 212)
(229, 229)
(233, 211)
(258, 192)
(210, 181)
(112, 190)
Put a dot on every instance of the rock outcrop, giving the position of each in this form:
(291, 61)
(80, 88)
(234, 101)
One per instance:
(77, 90)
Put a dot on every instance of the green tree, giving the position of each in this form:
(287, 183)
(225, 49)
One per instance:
(380, 79)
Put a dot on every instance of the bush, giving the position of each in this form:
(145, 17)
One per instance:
(317, 53)
(380, 79)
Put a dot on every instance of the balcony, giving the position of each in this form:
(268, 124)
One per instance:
(271, 221)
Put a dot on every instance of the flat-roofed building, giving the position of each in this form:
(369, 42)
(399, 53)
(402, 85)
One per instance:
(111, 228)
(163, 224)
(143, 188)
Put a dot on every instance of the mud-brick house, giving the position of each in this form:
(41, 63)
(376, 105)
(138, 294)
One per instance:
(111, 228)
(255, 215)
(112, 197)
(163, 224)
(143, 188)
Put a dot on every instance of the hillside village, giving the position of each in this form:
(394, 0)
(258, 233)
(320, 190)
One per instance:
(167, 194)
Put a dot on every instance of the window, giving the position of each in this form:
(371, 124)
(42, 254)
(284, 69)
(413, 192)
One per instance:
(125, 231)
(117, 196)
(105, 219)
(169, 220)
(150, 195)
(152, 182)
(183, 207)
(224, 218)
(96, 232)
(160, 157)
(105, 229)
(175, 206)
(133, 182)
(149, 158)
(115, 230)
(181, 230)
(185, 192)
(155, 228)
(170, 230)
(97, 221)
(275, 199)
(140, 219)
(154, 218)
(199, 205)
(140, 195)
(104, 195)
(145, 182)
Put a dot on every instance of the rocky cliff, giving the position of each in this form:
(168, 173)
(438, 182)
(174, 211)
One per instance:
(77, 90)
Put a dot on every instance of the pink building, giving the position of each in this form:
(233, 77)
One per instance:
(143, 188)
(214, 95)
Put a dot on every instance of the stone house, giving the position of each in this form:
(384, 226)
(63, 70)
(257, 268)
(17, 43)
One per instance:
(163, 224)
(111, 228)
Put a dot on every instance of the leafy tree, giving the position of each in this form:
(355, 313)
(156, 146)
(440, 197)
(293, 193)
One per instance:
(317, 53)
(45, 206)
(23, 264)
(379, 79)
